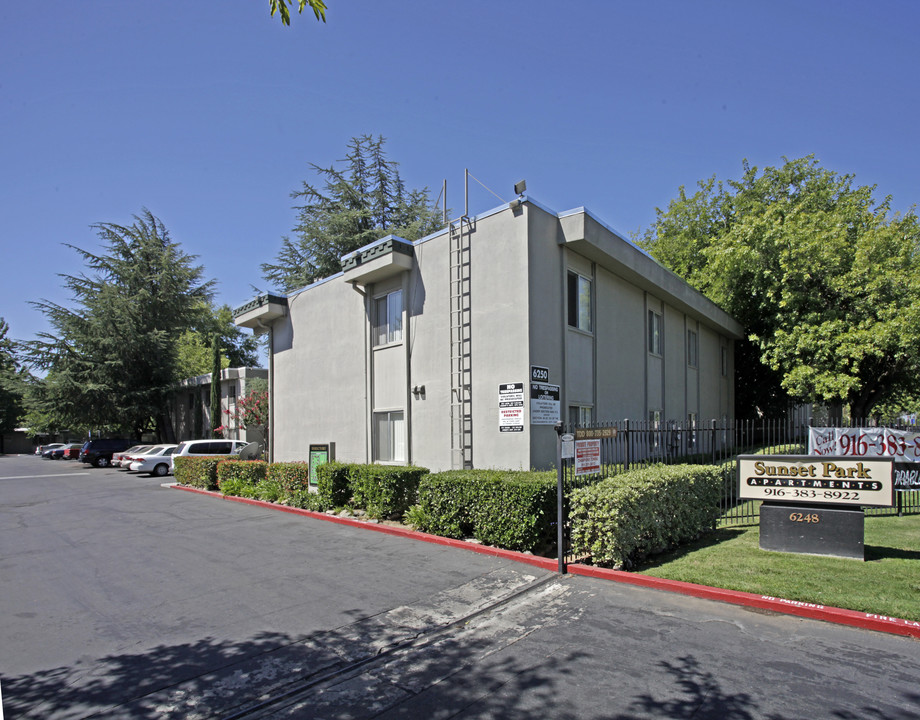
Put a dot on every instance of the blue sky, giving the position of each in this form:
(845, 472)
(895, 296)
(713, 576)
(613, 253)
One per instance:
(208, 113)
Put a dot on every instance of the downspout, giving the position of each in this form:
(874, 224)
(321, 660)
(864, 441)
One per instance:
(271, 388)
(368, 419)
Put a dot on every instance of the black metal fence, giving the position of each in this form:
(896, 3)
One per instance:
(629, 443)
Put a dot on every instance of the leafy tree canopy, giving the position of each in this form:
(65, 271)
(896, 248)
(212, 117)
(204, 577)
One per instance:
(824, 278)
(361, 202)
(112, 357)
(194, 357)
(281, 7)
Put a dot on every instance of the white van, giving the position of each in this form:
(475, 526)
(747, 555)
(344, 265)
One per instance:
(209, 447)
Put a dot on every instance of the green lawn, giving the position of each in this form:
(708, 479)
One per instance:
(887, 583)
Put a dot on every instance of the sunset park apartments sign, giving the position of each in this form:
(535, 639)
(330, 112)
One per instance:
(816, 480)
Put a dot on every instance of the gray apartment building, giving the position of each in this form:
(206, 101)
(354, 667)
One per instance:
(462, 349)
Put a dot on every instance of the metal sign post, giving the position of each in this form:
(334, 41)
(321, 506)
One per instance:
(560, 475)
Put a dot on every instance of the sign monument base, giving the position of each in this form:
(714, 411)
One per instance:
(812, 529)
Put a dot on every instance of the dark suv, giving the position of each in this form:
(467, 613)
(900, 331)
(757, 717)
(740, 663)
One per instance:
(99, 452)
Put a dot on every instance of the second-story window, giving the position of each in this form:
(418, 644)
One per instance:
(388, 318)
(654, 332)
(579, 302)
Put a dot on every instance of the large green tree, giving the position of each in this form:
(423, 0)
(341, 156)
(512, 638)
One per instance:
(238, 348)
(11, 383)
(111, 357)
(359, 203)
(823, 277)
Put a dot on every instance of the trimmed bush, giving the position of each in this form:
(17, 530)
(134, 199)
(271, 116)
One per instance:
(292, 478)
(333, 482)
(512, 510)
(199, 471)
(642, 512)
(241, 477)
(385, 491)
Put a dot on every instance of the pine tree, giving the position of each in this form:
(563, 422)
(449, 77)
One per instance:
(360, 203)
(111, 358)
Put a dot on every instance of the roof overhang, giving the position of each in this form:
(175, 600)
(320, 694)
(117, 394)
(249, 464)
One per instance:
(387, 257)
(260, 312)
(590, 238)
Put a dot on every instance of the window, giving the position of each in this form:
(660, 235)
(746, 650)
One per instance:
(388, 318)
(691, 426)
(654, 426)
(579, 302)
(389, 437)
(692, 348)
(724, 360)
(580, 415)
(654, 332)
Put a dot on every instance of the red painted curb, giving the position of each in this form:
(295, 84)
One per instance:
(813, 611)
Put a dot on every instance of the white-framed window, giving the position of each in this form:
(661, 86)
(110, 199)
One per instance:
(579, 302)
(693, 345)
(654, 332)
(388, 318)
(389, 436)
(580, 415)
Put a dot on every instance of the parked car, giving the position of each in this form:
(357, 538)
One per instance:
(72, 452)
(99, 452)
(46, 450)
(66, 452)
(127, 457)
(118, 456)
(156, 461)
(209, 447)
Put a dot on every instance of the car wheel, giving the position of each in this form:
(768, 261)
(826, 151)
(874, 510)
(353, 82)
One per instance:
(102, 462)
(160, 470)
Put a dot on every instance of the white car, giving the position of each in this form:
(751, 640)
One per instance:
(156, 461)
(127, 457)
(210, 447)
(117, 457)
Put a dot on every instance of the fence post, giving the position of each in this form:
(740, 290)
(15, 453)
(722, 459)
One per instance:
(560, 478)
(713, 441)
(627, 443)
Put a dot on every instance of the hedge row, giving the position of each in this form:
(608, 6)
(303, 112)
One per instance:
(643, 512)
(616, 521)
(199, 471)
(512, 510)
(383, 491)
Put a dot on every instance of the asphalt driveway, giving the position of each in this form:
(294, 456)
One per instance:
(121, 598)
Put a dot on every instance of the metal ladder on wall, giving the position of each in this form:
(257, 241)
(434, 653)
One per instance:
(461, 356)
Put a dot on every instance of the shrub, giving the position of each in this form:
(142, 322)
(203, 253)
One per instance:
(199, 471)
(241, 477)
(513, 510)
(644, 511)
(333, 482)
(292, 478)
(385, 491)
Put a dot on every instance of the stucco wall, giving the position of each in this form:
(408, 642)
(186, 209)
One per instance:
(328, 380)
(320, 374)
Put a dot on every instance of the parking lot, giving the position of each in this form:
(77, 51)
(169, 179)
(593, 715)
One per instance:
(123, 598)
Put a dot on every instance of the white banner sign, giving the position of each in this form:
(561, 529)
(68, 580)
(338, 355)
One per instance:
(898, 445)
